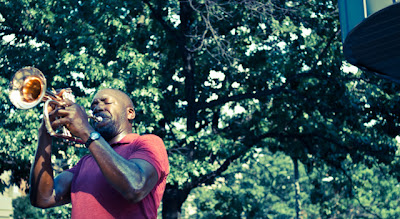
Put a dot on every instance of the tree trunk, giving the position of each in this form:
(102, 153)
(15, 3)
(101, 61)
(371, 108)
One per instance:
(297, 187)
(171, 209)
(188, 63)
(172, 202)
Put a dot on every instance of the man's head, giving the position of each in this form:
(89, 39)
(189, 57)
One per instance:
(117, 111)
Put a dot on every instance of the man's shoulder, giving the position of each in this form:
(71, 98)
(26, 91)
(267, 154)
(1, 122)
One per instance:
(133, 137)
(151, 141)
(149, 137)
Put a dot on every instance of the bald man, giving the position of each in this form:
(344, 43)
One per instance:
(124, 176)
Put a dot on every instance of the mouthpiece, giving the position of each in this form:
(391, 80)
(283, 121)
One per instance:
(99, 119)
(96, 118)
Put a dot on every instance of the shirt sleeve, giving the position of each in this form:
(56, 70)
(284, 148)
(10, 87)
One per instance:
(151, 148)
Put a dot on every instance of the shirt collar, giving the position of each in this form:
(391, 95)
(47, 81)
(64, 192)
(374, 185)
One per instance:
(126, 139)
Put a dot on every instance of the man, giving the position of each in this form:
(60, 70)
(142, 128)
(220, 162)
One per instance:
(124, 176)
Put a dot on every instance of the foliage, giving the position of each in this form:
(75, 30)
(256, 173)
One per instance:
(217, 80)
(23, 209)
(262, 186)
(259, 186)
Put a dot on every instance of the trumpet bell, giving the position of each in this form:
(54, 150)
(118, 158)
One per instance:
(27, 88)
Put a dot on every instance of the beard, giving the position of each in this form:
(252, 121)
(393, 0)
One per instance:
(108, 132)
(110, 126)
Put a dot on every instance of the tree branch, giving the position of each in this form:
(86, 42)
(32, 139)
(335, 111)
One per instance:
(324, 51)
(156, 14)
(209, 178)
(238, 97)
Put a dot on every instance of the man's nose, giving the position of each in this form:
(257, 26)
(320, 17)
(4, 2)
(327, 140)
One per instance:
(98, 108)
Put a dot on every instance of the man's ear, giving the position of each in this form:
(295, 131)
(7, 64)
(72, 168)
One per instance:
(131, 113)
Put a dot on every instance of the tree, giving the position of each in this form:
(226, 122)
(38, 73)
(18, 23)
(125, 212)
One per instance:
(260, 185)
(215, 79)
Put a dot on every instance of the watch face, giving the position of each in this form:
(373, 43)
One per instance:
(94, 135)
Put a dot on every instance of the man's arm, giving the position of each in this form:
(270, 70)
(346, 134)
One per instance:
(133, 178)
(45, 191)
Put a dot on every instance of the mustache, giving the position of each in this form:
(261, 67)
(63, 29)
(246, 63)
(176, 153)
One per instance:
(102, 115)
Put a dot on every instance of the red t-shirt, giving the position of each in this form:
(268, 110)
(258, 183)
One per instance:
(93, 197)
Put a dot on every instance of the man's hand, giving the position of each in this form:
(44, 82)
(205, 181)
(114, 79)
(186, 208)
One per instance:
(74, 118)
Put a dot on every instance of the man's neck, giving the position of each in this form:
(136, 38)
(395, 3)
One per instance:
(119, 137)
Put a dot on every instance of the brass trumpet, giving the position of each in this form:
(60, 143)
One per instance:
(28, 88)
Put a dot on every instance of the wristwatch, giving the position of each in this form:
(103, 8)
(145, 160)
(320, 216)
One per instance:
(92, 137)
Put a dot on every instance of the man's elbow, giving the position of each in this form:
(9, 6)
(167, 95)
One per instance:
(43, 204)
(134, 196)
(136, 192)
(138, 189)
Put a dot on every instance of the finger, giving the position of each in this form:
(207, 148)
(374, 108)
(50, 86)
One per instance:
(52, 106)
(61, 112)
(77, 110)
(60, 122)
(68, 102)
(54, 113)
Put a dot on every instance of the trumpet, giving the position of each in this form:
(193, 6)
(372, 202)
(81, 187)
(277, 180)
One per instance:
(28, 88)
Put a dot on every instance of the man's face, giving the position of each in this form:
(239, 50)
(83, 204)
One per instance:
(109, 105)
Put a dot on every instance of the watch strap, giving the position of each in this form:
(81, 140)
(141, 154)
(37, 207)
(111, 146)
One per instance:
(92, 137)
(88, 142)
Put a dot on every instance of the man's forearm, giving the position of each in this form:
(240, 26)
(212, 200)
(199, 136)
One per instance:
(41, 176)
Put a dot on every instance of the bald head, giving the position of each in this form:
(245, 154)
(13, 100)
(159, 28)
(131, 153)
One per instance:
(120, 95)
